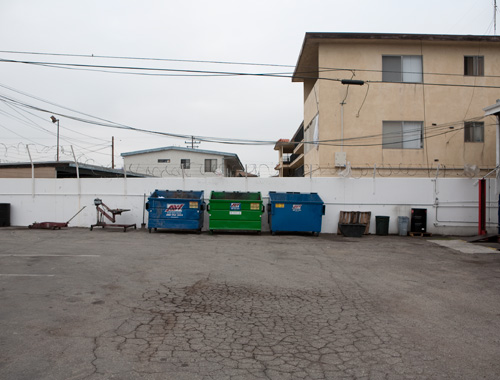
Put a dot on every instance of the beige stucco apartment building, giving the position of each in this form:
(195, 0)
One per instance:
(394, 105)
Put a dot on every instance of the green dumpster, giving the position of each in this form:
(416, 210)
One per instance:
(235, 211)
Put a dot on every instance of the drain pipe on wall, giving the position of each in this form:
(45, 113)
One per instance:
(482, 202)
(463, 204)
(494, 110)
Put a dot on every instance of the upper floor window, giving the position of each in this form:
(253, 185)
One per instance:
(210, 165)
(402, 135)
(474, 131)
(402, 68)
(185, 163)
(474, 65)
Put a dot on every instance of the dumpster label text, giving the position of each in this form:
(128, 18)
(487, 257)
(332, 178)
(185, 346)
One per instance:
(174, 209)
(280, 205)
(235, 206)
(297, 208)
(234, 212)
(193, 204)
(254, 206)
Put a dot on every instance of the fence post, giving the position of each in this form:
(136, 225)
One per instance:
(124, 180)
(77, 172)
(32, 173)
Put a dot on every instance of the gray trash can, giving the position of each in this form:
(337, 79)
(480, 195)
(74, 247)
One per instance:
(403, 222)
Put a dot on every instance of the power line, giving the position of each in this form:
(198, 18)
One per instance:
(60, 65)
(109, 124)
(315, 68)
(248, 142)
(149, 69)
(146, 58)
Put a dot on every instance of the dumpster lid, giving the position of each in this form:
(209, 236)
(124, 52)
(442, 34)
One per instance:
(295, 197)
(177, 194)
(235, 195)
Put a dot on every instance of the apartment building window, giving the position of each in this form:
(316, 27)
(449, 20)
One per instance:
(402, 68)
(474, 131)
(185, 163)
(210, 165)
(474, 65)
(164, 160)
(402, 135)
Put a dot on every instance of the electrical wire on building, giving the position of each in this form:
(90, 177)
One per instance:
(437, 130)
(22, 107)
(217, 62)
(183, 72)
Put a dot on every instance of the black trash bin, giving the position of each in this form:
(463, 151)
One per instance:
(382, 225)
(4, 214)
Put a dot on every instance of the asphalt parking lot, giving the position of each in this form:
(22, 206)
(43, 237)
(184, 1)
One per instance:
(77, 304)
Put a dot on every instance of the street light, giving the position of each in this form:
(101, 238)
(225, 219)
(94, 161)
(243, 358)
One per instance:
(54, 120)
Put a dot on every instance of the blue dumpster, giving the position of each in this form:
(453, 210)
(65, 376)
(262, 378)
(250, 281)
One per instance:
(175, 210)
(295, 212)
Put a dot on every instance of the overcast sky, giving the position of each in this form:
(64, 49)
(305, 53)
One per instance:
(229, 107)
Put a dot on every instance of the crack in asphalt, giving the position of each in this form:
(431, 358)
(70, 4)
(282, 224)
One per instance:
(225, 331)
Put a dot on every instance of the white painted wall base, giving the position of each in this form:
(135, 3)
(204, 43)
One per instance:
(451, 203)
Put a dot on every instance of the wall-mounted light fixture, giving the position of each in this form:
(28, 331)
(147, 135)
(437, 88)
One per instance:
(54, 120)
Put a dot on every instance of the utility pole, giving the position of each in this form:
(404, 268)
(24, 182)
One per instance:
(112, 152)
(495, 17)
(192, 142)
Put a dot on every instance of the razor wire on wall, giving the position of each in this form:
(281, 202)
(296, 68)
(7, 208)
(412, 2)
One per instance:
(31, 153)
(199, 170)
(22, 153)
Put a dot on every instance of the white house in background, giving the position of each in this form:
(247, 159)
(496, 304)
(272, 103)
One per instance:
(173, 161)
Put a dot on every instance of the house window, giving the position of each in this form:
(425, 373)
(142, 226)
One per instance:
(402, 68)
(402, 135)
(474, 65)
(474, 131)
(210, 165)
(185, 163)
(164, 160)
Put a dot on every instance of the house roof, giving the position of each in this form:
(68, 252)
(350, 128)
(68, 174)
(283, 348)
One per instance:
(145, 151)
(493, 109)
(67, 169)
(308, 57)
(232, 156)
(285, 143)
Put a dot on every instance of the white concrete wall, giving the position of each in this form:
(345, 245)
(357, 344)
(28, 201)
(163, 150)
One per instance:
(456, 213)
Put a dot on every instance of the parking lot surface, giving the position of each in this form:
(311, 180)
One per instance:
(77, 304)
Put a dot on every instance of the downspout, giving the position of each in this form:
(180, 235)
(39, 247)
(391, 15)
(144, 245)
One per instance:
(342, 126)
